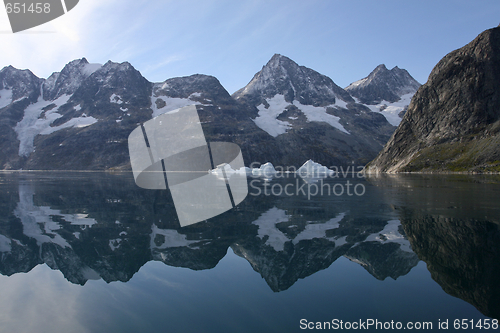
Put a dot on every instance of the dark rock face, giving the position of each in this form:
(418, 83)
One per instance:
(453, 121)
(383, 85)
(67, 81)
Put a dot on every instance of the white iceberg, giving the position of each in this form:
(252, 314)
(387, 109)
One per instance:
(311, 169)
(224, 170)
(266, 170)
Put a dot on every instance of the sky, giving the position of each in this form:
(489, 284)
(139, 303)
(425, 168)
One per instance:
(232, 40)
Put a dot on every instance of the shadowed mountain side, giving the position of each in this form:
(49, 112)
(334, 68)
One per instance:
(453, 121)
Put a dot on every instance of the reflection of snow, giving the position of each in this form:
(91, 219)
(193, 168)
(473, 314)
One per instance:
(318, 230)
(267, 228)
(391, 234)
(114, 243)
(172, 238)
(4, 244)
(38, 221)
(277, 239)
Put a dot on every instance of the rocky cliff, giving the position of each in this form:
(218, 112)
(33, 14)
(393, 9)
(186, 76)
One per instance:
(453, 121)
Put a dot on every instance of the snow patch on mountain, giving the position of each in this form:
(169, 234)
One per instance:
(79, 122)
(358, 83)
(266, 119)
(5, 97)
(267, 116)
(318, 114)
(114, 98)
(168, 104)
(390, 110)
(36, 121)
(88, 69)
(31, 125)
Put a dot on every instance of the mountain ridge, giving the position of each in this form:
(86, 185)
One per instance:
(80, 118)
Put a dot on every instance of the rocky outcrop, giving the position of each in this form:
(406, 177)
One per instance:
(453, 121)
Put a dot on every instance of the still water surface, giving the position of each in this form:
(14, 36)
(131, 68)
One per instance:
(92, 252)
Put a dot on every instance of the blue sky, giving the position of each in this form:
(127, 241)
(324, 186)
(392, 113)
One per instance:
(232, 40)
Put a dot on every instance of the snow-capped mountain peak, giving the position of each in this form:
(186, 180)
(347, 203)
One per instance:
(16, 84)
(283, 76)
(69, 79)
(383, 85)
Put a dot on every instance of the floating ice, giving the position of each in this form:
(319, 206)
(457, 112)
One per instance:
(266, 170)
(313, 169)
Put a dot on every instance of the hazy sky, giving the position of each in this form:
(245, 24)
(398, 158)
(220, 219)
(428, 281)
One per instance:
(233, 39)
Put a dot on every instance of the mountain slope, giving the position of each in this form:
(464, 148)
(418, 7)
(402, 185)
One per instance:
(383, 84)
(386, 91)
(453, 121)
(311, 117)
(283, 76)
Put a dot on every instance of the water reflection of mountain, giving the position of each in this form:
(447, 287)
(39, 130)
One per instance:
(92, 226)
(456, 231)
(462, 256)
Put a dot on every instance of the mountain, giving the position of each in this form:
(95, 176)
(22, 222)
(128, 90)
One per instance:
(311, 117)
(386, 91)
(80, 118)
(18, 89)
(222, 117)
(282, 76)
(383, 85)
(453, 121)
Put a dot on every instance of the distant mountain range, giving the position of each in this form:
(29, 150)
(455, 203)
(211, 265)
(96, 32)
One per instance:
(80, 118)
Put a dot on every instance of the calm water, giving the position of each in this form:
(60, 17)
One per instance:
(92, 252)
